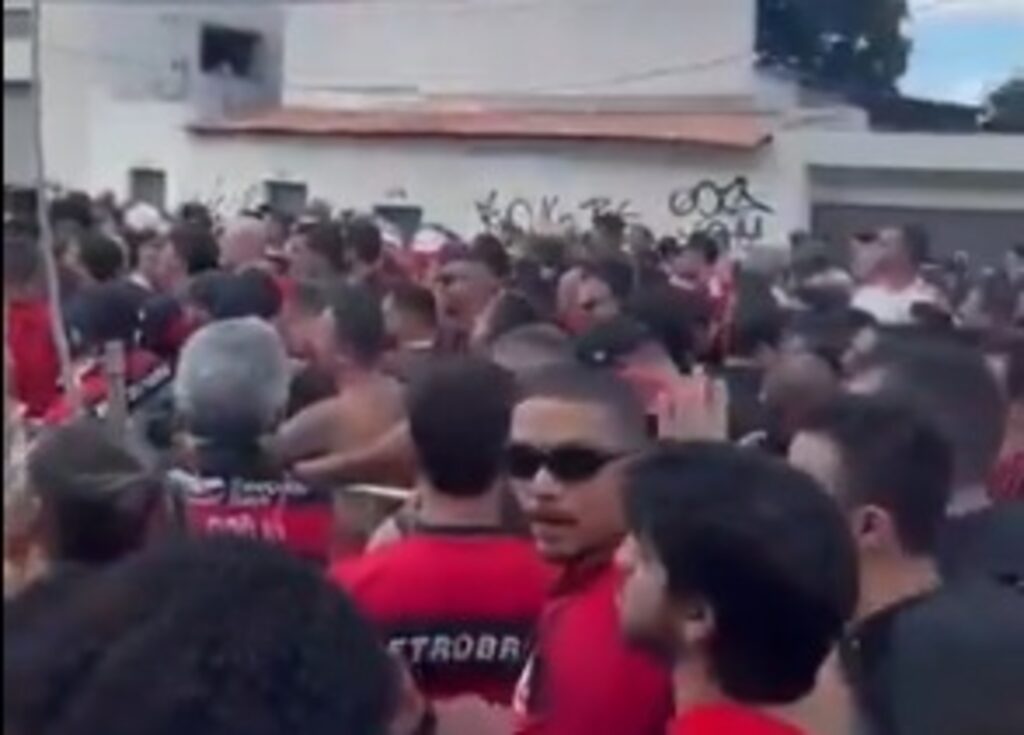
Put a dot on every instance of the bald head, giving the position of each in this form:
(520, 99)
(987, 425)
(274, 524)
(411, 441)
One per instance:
(795, 388)
(531, 348)
(244, 242)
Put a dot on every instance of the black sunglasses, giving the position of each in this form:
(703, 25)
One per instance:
(569, 463)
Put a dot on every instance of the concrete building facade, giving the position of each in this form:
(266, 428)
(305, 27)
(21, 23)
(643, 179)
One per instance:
(472, 111)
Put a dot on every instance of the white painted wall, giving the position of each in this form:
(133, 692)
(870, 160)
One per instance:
(450, 179)
(916, 170)
(453, 179)
(121, 89)
(122, 81)
(139, 134)
(343, 53)
(911, 151)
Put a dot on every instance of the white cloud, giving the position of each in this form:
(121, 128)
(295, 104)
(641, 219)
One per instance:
(970, 91)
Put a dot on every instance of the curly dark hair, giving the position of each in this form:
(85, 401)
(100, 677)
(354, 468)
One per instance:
(214, 637)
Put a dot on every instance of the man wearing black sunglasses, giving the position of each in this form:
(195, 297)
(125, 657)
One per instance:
(572, 435)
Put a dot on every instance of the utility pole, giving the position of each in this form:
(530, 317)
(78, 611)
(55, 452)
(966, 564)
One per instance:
(46, 241)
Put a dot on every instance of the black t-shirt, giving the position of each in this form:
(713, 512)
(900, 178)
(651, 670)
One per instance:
(959, 668)
(946, 663)
(989, 542)
(866, 654)
(746, 411)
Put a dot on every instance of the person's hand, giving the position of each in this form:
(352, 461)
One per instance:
(412, 707)
(695, 407)
(472, 716)
(305, 471)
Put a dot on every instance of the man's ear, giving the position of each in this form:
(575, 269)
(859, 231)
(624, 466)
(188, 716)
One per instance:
(695, 623)
(873, 528)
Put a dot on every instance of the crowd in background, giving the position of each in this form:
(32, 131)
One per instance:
(597, 483)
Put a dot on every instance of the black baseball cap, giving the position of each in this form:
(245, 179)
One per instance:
(609, 342)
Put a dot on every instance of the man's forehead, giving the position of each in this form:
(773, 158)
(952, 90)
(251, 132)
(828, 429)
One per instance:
(866, 382)
(464, 267)
(244, 227)
(590, 282)
(889, 235)
(556, 420)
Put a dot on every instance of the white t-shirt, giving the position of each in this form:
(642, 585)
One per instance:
(892, 306)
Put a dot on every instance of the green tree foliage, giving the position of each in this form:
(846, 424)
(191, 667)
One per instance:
(855, 47)
(1004, 109)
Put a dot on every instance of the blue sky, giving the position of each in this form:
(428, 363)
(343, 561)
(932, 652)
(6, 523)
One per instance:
(963, 47)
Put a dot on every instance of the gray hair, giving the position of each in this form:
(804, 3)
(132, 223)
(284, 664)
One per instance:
(233, 380)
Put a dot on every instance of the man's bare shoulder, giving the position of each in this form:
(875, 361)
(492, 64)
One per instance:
(310, 431)
(383, 395)
(317, 414)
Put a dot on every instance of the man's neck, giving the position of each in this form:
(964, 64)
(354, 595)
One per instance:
(439, 509)
(357, 374)
(1014, 441)
(589, 565)
(693, 686)
(896, 278)
(420, 338)
(890, 582)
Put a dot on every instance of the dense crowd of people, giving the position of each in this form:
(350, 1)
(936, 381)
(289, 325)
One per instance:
(600, 483)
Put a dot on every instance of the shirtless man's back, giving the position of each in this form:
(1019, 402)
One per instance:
(368, 404)
(366, 408)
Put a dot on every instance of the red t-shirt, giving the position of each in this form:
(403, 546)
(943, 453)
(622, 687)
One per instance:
(1006, 482)
(728, 719)
(262, 505)
(584, 678)
(285, 287)
(35, 369)
(144, 373)
(460, 607)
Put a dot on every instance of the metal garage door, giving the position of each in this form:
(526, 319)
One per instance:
(984, 234)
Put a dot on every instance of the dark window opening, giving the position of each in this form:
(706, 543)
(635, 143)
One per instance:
(406, 217)
(17, 24)
(286, 196)
(148, 185)
(229, 49)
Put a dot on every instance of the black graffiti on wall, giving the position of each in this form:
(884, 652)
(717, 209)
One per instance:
(532, 213)
(227, 200)
(729, 211)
